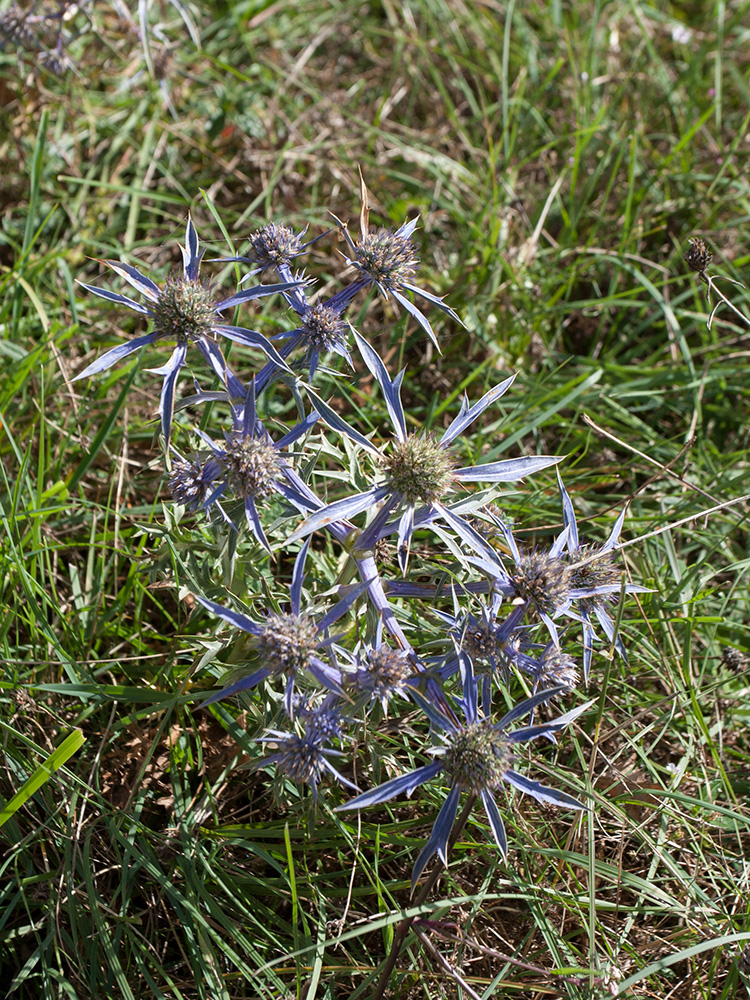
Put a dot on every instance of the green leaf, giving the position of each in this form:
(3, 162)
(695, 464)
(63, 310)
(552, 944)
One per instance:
(70, 745)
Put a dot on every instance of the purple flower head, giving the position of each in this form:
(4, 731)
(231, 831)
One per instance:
(477, 758)
(418, 470)
(287, 643)
(388, 261)
(251, 466)
(274, 247)
(539, 582)
(324, 721)
(186, 312)
(553, 668)
(191, 481)
(380, 673)
(302, 759)
(597, 582)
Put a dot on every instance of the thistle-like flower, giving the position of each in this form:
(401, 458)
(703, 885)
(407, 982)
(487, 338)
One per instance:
(596, 582)
(304, 759)
(485, 640)
(274, 246)
(186, 312)
(286, 644)
(380, 673)
(250, 465)
(418, 470)
(553, 668)
(191, 481)
(388, 261)
(477, 758)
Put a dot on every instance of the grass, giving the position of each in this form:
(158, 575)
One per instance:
(559, 156)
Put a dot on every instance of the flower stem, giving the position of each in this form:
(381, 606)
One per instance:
(403, 928)
(710, 282)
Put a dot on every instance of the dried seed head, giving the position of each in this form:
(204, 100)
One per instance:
(697, 256)
(272, 245)
(252, 466)
(322, 328)
(386, 258)
(185, 310)
(419, 468)
(734, 659)
(286, 643)
(190, 483)
(542, 581)
(478, 758)
(383, 552)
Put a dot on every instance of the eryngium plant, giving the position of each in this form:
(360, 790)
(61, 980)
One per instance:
(336, 636)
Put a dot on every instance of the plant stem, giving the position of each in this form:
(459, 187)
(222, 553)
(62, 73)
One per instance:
(710, 283)
(403, 928)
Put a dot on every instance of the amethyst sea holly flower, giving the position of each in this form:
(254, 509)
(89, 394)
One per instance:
(418, 469)
(388, 261)
(321, 330)
(477, 758)
(250, 466)
(184, 311)
(287, 643)
(597, 579)
(304, 759)
(273, 247)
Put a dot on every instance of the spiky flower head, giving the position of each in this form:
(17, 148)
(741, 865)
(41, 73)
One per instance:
(273, 246)
(556, 669)
(384, 673)
(301, 760)
(185, 310)
(387, 258)
(252, 465)
(541, 581)
(478, 757)
(599, 569)
(697, 256)
(323, 724)
(286, 642)
(323, 328)
(480, 640)
(190, 482)
(419, 468)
